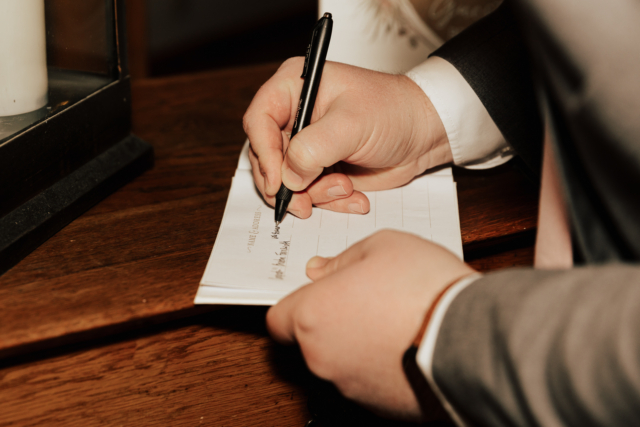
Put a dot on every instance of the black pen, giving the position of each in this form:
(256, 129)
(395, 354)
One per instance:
(311, 73)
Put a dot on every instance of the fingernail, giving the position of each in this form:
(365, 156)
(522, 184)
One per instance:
(296, 213)
(356, 208)
(292, 178)
(317, 262)
(336, 191)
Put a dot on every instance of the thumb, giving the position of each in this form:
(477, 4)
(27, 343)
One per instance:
(321, 144)
(319, 267)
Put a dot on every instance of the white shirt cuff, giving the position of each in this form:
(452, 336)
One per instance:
(424, 358)
(476, 142)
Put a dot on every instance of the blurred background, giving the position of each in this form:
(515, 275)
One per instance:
(180, 36)
(177, 36)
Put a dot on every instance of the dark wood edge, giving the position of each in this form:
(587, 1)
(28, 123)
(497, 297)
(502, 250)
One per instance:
(485, 248)
(15, 355)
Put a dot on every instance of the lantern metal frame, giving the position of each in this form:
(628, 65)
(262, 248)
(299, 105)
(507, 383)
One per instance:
(58, 168)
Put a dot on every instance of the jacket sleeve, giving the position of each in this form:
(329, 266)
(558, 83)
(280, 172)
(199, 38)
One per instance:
(491, 55)
(530, 348)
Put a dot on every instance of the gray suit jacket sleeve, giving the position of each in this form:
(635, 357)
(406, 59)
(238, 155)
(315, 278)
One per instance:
(540, 348)
(525, 347)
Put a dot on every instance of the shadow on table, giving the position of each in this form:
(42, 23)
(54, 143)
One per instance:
(326, 406)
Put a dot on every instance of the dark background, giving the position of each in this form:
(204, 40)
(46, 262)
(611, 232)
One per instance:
(177, 36)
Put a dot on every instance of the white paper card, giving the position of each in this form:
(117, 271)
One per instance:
(255, 263)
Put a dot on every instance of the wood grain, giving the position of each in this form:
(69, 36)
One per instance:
(140, 253)
(138, 256)
(120, 281)
(495, 205)
(217, 370)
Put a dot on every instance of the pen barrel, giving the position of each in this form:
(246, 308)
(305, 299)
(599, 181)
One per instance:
(312, 73)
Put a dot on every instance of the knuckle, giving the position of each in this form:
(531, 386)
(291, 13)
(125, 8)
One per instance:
(246, 122)
(317, 363)
(306, 319)
(273, 319)
(386, 235)
(383, 239)
(318, 360)
(291, 63)
(300, 157)
(348, 389)
(333, 265)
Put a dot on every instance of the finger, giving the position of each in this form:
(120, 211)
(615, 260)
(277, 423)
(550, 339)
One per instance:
(332, 138)
(268, 150)
(375, 179)
(269, 113)
(274, 179)
(332, 192)
(357, 203)
(328, 188)
(300, 205)
(259, 175)
(280, 317)
(319, 267)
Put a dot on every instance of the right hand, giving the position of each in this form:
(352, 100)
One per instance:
(368, 131)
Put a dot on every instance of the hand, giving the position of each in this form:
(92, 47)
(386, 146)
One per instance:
(361, 313)
(381, 127)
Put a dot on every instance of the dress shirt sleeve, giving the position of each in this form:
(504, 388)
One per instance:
(475, 140)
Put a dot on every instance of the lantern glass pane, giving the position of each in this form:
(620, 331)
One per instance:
(56, 53)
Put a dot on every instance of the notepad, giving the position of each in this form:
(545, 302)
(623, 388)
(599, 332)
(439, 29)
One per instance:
(253, 262)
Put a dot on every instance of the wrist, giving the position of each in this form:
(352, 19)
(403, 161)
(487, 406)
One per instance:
(428, 133)
(432, 403)
(429, 313)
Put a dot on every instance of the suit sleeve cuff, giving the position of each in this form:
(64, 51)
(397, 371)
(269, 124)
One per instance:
(424, 357)
(476, 142)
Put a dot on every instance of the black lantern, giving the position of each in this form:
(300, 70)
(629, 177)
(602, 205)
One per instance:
(65, 116)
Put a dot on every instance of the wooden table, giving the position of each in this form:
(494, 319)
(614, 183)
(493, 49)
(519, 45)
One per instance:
(97, 326)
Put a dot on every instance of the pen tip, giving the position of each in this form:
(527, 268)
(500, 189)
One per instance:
(277, 223)
(327, 15)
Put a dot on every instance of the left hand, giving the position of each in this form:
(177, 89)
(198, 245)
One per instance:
(363, 310)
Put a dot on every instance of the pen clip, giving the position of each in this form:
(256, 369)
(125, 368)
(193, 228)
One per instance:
(305, 70)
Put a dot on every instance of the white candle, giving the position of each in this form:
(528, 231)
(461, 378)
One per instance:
(23, 57)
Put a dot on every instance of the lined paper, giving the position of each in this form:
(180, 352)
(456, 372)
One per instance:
(255, 263)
